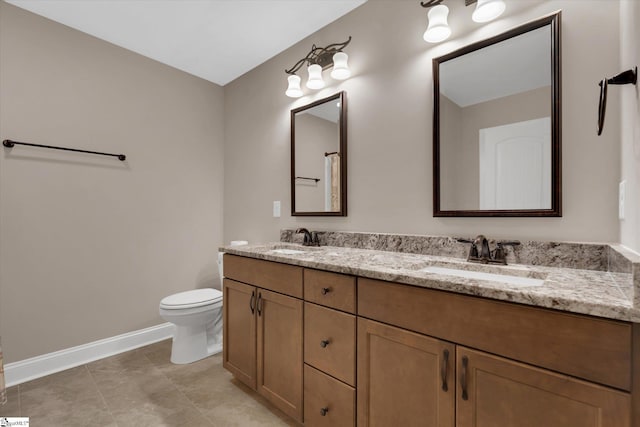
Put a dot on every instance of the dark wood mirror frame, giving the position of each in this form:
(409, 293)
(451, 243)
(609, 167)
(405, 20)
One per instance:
(553, 21)
(342, 98)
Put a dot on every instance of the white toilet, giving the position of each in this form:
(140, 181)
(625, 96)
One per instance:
(197, 315)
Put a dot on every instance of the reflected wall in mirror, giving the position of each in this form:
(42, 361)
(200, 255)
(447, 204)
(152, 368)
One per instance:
(319, 158)
(497, 125)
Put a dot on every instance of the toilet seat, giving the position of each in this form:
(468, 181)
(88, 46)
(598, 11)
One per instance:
(191, 299)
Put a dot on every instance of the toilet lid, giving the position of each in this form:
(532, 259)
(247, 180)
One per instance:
(189, 299)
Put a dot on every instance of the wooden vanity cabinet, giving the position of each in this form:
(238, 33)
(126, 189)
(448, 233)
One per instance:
(357, 351)
(489, 388)
(263, 330)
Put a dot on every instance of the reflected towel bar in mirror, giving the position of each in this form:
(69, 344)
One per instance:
(307, 178)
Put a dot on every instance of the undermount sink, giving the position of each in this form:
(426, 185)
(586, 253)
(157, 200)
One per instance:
(481, 275)
(291, 249)
(287, 251)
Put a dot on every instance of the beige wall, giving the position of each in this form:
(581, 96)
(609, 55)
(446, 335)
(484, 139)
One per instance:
(389, 127)
(630, 119)
(89, 245)
(460, 155)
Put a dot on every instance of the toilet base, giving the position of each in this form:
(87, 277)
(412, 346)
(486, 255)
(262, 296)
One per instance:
(190, 345)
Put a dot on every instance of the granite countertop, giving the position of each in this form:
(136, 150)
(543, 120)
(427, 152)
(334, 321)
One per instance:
(598, 293)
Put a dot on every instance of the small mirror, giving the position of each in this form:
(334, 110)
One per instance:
(497, 125)
(319, 158)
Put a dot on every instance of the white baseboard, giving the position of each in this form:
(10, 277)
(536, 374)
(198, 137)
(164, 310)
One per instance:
(39, 366)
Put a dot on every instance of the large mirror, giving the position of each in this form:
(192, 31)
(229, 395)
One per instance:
(497, 125)
(319, 158)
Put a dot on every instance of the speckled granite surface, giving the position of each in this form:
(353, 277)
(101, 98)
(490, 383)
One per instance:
(584, 256)
(590, 291)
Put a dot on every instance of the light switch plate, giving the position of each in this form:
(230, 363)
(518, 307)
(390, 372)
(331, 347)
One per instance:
(276, 209)
(621, 198)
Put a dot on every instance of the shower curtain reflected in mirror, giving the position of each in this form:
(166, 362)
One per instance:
(332, 182)
(3, 391)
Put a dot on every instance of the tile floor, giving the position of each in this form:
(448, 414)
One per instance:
(142, 388)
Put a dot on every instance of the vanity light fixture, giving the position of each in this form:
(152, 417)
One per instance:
(438, 28)
(317, 60)
(488, 10)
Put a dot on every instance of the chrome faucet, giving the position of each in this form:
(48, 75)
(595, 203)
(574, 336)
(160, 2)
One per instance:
(310, 237)
(482, 253)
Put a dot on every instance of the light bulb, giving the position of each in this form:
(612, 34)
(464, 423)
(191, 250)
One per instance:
(294, 91)
(315, 77)
(487, 10)
(340, 67)
(438, 28)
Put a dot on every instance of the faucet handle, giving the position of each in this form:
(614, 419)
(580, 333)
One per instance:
(473, 250)
(314, 239)
(499, 253)
(463, 240)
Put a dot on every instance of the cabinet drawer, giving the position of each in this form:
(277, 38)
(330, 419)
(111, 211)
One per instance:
(331, 289)
(282, 278)
(327, 401)
(330, 341)
(587, 347)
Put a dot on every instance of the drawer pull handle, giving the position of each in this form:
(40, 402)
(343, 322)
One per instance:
(445, 368)
(325, 291)
(324, 411)
(324, 343)
(252, 302)
(259, 305)
(463, 378)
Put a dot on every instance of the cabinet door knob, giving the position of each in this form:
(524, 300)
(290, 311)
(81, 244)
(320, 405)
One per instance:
(324, 343)
(324, 411)
(325, 291)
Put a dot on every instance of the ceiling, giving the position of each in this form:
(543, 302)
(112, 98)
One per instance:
(217, 40)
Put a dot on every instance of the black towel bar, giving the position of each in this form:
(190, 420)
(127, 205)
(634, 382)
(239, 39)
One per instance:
(9, 143)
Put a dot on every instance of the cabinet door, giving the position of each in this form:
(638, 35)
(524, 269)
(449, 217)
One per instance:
(404, 379)
(493, 391)
(280, 351)
(239, 337)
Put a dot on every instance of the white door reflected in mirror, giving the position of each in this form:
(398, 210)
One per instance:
(515, 165)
